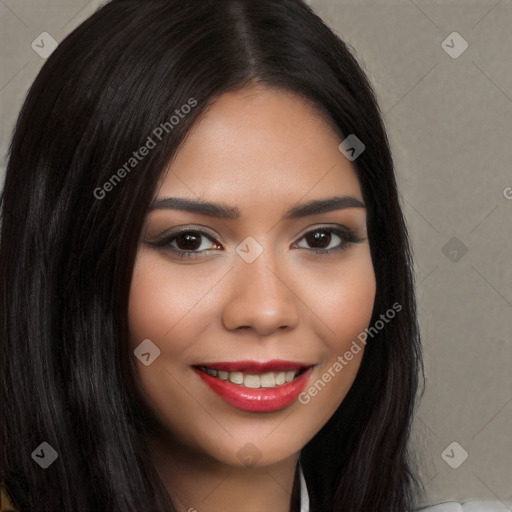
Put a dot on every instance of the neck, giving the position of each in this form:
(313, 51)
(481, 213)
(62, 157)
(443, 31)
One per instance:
(199, 483)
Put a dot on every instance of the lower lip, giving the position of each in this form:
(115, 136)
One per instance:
(259, 399)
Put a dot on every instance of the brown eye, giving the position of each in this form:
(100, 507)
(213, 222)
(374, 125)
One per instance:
(318, 239)
(186, 243)
(189, 241)
(327, 240)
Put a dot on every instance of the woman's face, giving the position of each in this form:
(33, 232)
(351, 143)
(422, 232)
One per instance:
(272, 281)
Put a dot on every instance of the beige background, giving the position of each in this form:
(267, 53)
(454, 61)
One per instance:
(450, 126)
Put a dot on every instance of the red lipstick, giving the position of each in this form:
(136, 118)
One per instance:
(262, 399)
(276, 365)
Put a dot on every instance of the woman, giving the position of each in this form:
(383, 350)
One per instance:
(207, 298)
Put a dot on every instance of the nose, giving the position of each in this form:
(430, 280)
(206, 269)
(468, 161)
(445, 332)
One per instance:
(260, 298)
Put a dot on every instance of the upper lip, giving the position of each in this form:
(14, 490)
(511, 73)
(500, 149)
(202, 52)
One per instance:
(255, 366)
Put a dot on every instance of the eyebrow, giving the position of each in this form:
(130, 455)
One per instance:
(223, 211)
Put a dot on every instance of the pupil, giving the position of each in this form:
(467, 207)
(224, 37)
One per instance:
(189, 241)
(319, 239)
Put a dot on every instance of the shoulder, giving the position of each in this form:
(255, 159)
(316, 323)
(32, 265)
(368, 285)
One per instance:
(468, 506)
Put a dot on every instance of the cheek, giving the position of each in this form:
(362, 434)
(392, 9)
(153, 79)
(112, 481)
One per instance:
(152, 308)
(163, 303)
(163, 307)
(343, 297)
(344, 300)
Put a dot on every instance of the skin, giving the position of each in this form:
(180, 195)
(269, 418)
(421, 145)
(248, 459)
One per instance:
(263, 151)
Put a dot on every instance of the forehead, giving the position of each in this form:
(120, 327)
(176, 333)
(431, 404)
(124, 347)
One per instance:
(260, 145)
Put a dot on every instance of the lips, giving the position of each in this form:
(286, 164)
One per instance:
(255, 366)
(256, 386)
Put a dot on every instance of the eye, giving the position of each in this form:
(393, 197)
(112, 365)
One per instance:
(186, 242)
(324, 240)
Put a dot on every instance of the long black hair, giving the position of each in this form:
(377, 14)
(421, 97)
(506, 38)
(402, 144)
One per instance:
(70, 232)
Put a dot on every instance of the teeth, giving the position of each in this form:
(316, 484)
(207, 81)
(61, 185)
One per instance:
(264, 380)
(236, 377)
(289, 376)
(252, 381)
(280, 378)
(268, 380)
(211, 372)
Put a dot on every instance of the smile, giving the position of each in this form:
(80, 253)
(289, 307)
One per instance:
(248, 380)
(256, 387)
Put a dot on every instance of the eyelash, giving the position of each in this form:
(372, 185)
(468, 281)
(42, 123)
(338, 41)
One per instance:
(346, 235)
